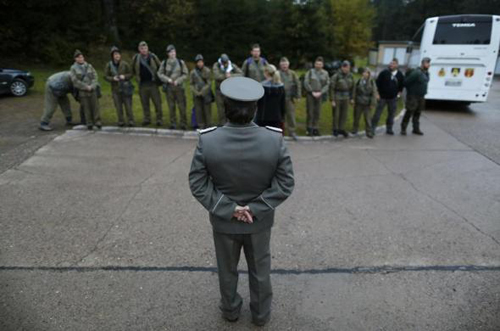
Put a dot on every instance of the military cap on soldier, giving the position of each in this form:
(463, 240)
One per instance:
(242, 89)
(77, 53)
(426, 60)
(114, 50)
(284, 60)
(224, 58)
(198, 57)
(346, 63)
(143, 43)
(170, 48)
(319, 59)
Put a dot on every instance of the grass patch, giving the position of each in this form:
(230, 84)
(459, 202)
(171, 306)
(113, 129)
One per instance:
(109, 117)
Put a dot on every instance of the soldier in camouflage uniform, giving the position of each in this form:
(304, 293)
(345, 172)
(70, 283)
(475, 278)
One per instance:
(292, 94)
(341, 85)
(316, 84)
(201, 86)
(173, 72)
(56, 93)
(365, 96)
(253, 67)
(119, 73)
(416, 88)
(223, 69)
(145, 65)
(84, 79)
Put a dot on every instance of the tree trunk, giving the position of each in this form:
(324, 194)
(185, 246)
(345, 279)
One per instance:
(110, 17)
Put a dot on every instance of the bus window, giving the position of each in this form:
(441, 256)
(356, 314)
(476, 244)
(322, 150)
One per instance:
(463, 33)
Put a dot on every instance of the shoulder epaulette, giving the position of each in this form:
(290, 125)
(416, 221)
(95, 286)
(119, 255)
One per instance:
(272, 128)
(207, 130)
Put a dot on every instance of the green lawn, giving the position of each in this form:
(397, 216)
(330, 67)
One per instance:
(108, 112)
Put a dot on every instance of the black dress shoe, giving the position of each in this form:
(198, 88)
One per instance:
(146, 123)
(335, 133)
(121, 125)
(172, 127)
(390, 132)
(316, 132)
(90, 127)
(418, 132)
(99, 126)
(344, 133)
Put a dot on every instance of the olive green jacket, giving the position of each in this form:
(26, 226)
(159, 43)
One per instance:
(292, 84)
(220, 73)
(317, 81)
(80, 81)
(123, 69)
(136, 66)
(254, 70)
(365, 92)
(416, 82)
(173, 70)
(341, 86)
(200, 81)
(245, 165)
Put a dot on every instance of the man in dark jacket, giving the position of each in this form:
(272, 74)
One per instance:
(389, 85)
(416, 89)
(240, 173)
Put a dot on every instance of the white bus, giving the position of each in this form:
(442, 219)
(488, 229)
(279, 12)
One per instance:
(463, 50)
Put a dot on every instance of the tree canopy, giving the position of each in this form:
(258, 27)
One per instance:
(50, 30)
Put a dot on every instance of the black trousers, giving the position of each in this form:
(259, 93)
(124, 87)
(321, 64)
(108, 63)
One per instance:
(391, 111)
(258, 256)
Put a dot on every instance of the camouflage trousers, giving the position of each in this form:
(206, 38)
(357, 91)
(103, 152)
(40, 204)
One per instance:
(414, 107)
(176, 97)
(290, 116)
(90, 106)
(219, 99)
(313, 106)
(360, 109)
(339, 114)
(50, 105)
(149, 91)
(203, 112)
(120, 102)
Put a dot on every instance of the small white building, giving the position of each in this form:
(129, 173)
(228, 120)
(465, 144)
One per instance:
(388, 50)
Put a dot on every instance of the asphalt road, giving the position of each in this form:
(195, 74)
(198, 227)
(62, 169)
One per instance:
(477, 125)
(100, 232)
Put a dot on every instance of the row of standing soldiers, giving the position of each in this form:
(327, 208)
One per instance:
(171, 73)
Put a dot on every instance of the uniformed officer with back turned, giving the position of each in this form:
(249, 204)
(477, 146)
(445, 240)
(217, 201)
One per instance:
(57, 88)
(240, 173)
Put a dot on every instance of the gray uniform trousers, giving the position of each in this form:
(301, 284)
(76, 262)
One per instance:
(50, 105)
(258, 257)
(147, 91)
(121, 100)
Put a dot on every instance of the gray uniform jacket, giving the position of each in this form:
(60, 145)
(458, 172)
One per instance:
(241, 165)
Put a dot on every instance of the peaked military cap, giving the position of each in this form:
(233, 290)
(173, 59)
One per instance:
(346, 63)
(242, 89)
(170, 48)
(142, 43)
(198, 57)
